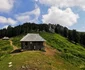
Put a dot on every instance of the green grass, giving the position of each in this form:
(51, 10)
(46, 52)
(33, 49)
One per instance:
(73, 53)
(5, 48)
(16, 40)
(35, 60)
(70, 57)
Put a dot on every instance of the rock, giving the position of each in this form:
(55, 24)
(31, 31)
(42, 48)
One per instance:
(23, 67)
(10, 63)
(10, 66)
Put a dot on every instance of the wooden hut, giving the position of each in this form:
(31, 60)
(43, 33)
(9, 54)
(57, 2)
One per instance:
(5, 38)
(32, 42)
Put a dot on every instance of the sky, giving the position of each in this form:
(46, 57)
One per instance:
(68, 13)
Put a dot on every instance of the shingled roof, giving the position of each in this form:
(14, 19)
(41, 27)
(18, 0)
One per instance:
(32, 37)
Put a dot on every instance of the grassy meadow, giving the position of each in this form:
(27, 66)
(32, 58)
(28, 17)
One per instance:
(68, 56)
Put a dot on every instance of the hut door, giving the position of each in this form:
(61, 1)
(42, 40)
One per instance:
(26, 45)
(31, 46)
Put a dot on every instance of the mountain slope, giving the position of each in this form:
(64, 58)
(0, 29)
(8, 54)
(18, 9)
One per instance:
(68, 56)
(73, 53)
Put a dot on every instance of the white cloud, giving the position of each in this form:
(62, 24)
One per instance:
(6, 5)
(64, 3)
(31, 16)
(5, 21)
(58, 16)
(11, 21)
(22, 18)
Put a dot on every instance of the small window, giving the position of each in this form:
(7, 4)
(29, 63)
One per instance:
(30, 42)
(26, 43)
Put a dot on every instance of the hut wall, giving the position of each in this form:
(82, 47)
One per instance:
(32, 45)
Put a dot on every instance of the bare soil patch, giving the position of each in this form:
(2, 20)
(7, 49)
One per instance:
(49, 50)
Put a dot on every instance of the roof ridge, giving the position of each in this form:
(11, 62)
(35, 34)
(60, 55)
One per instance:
(32, 37)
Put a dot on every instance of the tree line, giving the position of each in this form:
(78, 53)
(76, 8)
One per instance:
(72, 35)
(23, 29)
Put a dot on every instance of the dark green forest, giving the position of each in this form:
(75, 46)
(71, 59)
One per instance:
(72, 35)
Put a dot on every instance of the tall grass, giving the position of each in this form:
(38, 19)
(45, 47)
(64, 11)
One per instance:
(5, 48)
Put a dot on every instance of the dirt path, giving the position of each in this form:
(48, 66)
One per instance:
(14, 47)
(49, 50)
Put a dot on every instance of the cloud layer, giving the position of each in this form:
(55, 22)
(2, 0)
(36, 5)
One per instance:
(58, 16)
(6, 21)
(64, 3)
(6, 5)
(55, 13)
(31, 16)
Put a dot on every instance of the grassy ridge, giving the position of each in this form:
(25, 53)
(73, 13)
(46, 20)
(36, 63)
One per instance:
(73, 53)
(70, 57)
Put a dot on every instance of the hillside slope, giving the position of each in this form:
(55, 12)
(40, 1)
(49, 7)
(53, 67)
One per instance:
(73, 53)
(60, 55)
